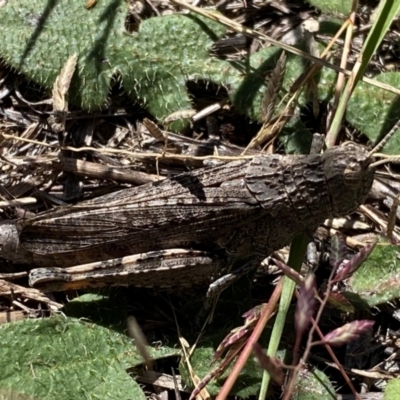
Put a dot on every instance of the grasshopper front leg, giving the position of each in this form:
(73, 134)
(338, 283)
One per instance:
(161, 269)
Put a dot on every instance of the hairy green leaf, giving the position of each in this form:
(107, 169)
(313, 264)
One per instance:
(153, 65)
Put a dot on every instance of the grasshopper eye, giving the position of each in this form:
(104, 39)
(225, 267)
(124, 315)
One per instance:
(353, 174)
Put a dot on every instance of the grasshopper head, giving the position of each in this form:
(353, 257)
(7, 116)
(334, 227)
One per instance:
(349, 177)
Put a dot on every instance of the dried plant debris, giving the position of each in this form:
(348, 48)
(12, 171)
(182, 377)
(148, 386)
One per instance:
(60, 89)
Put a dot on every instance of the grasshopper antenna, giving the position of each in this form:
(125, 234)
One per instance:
(383, 142)
(385, 158)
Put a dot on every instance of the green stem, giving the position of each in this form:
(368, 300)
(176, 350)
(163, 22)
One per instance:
(297, 251)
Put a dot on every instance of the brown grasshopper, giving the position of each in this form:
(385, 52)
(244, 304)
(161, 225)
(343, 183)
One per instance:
(179, 231)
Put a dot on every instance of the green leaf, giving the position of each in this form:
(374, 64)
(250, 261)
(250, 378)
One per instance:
(392, 390)
(374, 111)
(107, 308)
(66, 358)
(153, 64)
(38, 36)
(313, 385)
(332, 6)
(377, 280)
(296, 138)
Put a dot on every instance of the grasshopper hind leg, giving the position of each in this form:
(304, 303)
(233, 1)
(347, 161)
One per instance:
(157, 269)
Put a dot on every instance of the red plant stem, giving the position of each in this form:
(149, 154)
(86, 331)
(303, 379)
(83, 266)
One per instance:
(315, 321)
(241, 361)
(338, 364)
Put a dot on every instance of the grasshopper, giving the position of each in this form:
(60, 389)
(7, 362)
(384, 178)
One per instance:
(182, 230)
